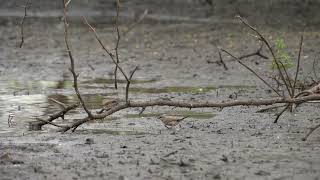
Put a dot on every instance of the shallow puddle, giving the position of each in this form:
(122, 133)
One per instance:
(186, 89)
(25, 100)
(190, 114)
(120, 81)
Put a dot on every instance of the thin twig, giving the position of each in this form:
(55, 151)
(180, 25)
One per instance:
(60, 104)
(247, 67)
(133, 25)
(129, 82)
(257, 53)
(279, 114)
(263, 39)
(314, 68)
(117, 45)
(51, 123)
(105, 49)
(22, 23)
(298, 67)
(72, 67)
(221, 60)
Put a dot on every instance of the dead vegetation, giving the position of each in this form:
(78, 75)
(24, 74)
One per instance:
(287, 92)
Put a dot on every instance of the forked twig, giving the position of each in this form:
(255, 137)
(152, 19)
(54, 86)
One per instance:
(221, 60)
(257, 53)
(50, 122)
(247, 67)
(37, 125)
(72, 67)
(105, 49)
(280, 113)
(263, 39)
(129, 82)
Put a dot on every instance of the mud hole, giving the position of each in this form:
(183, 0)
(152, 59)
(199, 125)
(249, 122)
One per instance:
(176, 60)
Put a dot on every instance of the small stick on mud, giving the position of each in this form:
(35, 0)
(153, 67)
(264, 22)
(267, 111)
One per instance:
(221, 60)
(22, 23)
(257, 53)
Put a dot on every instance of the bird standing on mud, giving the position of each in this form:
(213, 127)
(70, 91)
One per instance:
(170, 121)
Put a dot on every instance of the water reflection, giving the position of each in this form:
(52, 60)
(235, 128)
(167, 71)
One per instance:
(28, 99)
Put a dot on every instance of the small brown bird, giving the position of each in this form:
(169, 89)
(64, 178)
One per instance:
(110, 102)
(170, 121)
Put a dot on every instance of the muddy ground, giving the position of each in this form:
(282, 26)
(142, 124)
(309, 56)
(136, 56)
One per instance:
(176, 60)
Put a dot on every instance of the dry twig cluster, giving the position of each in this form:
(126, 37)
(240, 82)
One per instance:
(289, 98)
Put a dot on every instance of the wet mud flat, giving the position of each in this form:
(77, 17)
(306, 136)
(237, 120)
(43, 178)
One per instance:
(177, 61)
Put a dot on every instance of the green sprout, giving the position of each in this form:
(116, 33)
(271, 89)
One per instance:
(281, 56)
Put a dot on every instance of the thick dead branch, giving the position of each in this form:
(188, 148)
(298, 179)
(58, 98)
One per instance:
(37, 125)
(190, 105)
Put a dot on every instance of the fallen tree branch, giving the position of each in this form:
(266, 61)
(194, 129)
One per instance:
(37, 125)
(191, 105)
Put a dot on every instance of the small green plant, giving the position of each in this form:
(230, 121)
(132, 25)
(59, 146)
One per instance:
(281, 55)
